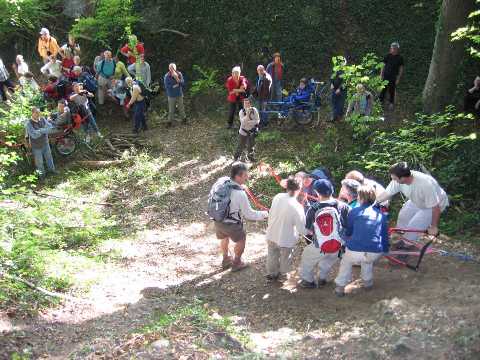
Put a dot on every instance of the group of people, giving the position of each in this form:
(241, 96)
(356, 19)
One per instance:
(269, 85)
(74, 87)
(351, 229)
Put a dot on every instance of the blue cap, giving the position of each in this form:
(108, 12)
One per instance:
(323, 186)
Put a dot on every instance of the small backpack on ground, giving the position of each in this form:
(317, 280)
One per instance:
(89, 82)
(219, 199)
(327, 230)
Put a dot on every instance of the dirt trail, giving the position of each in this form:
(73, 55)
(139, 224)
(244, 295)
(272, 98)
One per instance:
(433, 314)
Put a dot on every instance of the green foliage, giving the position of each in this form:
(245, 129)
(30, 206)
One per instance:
(206, 82)
(471, 33)
(23, 17)
(271, 136)
(367, 73)
(110, 24)
(12, 157)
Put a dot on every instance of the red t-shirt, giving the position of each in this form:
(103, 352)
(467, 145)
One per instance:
(231, 85)
(67, 63)
(131, 59)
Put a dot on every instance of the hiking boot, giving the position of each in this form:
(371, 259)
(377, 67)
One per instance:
(237, 266)
(271, 277)
(306, 284)
(322, 282)
(340, 291)
(226, 263)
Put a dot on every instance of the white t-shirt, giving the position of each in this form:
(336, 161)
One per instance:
(248, 120)
(286, 221)
(54, 69)
(424, 191)
(22, 69)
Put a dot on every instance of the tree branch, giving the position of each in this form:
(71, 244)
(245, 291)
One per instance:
(172, 31)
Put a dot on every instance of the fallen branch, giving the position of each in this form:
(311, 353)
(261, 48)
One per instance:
(42, 290)
(170, 30)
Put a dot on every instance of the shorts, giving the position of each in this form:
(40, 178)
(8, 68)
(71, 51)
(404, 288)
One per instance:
(234, 231)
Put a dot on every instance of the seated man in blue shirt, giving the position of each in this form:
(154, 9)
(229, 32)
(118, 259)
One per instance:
(367, 239)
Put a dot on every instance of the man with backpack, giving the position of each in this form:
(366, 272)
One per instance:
(229, 207)
(138, 99)
(105, 72)
(326, 221)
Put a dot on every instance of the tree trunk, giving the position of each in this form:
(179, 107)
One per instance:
(447, 55)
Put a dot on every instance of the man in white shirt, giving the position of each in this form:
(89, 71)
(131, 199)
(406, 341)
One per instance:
(249, 120)
(286, 221)
(426, 199)
(233, 226)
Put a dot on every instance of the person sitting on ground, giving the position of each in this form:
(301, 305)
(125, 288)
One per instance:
(174, 82)
(119, 93)
(80, 98)
(129, 53)
(50, 90)
(62, 117)
(236, 87)
(426, 199)
(262, 93)
(70, 49)
(348, 192)
(20, 68)
(313, 256)
(47, 45)
(472, 99)
(67, 63)
(249, 120)
(361, 103)
(6, 85)
(52, 67)
(232, 227)
(105, 71)
(37, 129)
(286, 222)
(358, 176)
(139, 103)
(145, 75)
(367, 240)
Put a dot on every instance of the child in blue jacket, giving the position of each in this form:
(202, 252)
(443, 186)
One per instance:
(367, 240)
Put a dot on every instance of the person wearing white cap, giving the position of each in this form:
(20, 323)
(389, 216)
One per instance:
(236, 88)
(392, 72)
(47, 45)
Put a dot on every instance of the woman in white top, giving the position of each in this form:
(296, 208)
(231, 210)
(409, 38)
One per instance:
(20, 67)
(286, 221)
(426, 199)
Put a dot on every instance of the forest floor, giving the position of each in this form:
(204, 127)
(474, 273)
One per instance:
(164, 296)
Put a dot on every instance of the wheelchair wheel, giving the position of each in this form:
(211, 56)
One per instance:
(301, 116)
(66, 145)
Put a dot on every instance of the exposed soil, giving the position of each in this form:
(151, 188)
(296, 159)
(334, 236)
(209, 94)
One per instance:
(431, 314)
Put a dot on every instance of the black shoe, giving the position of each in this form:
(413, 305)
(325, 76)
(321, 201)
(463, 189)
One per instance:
(306, 284)
(322, 282)
(270, 277)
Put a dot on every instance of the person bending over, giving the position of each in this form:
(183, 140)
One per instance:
(367, 240)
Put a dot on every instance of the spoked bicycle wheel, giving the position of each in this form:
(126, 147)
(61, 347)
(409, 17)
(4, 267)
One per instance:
(301, 116)
(66, 145)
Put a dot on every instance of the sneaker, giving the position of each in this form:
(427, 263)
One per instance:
(99, 134)
(306, 284)
(271, 277)
(237, 266)
(340, 291)
(88, 138)
(226, 263)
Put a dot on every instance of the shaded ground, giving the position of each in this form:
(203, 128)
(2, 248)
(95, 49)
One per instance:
(172, 263)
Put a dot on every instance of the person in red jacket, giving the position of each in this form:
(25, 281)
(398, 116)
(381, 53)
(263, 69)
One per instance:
(236, 91)
(127, 51)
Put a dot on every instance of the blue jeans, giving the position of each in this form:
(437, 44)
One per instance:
(276, 90)
(90, 125)
(262, 107)
(139, 116)
(43, 153)
(338, 104)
